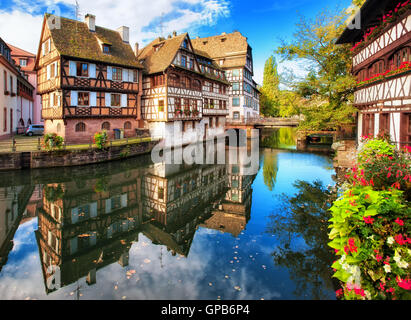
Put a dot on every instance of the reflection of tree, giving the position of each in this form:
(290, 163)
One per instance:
(280, 138)
(305, 218)
(270, 168)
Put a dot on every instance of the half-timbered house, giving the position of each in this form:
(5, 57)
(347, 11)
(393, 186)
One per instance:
(88, 78)
(182, 88)
(381, 62)
(234, 55)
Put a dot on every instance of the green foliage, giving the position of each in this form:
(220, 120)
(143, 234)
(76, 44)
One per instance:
(375, 148)
(270, 90)
(370, 225)
(329, 86)
(270, 169)
(52, 141)
(101, 139)
(53, 193)
(368, 232)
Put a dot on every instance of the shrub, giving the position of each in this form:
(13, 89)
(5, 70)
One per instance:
(53, 141)
(370, 225)
(101, 139)
(369, 233)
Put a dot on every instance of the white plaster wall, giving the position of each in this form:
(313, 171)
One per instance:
(395, 127)
(8, 102)
(360, 132)
(376, 124)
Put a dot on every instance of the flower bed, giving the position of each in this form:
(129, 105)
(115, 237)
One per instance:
(403, 68)
(370, 226)
(373, 32)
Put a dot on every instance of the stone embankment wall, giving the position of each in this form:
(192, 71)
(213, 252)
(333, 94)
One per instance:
(64, 158)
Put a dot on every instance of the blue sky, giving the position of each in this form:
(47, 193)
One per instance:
(264, 22)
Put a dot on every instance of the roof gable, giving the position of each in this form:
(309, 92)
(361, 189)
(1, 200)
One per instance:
(160, 53)
(74, 39)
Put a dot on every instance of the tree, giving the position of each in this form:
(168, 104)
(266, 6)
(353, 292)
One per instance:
(329, 86)
(270, 89)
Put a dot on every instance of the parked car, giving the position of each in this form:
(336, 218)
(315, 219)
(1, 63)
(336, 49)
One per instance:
(35, 129)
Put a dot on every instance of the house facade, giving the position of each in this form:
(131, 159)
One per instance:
(26, 62)
(183, 92)
(234, 55)
(16, 95)
(89, 80)
(382, 65)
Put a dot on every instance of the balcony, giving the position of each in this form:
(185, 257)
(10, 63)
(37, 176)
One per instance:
(91, 112)
(395, 91)
(212, 111)
(52, 113)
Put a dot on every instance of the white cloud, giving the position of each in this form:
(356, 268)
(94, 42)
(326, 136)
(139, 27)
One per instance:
(22, 26)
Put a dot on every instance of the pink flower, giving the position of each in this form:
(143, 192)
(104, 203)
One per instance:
(368, 220)
(399, 222)
(400, 240)
(405, 284)
(378, 257)
(339, 293)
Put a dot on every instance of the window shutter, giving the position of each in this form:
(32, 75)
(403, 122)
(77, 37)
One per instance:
(55, 70)
(73, 245)
(124, 200)
(93, 99)
(93, 238)
(93, 210)
(124, 100)
(48, 72)
(108, 99)
(92, 71)
(125, 75)
(108, 205)
(73, 69)
(74, 215)
(74, 98)
(109, 73)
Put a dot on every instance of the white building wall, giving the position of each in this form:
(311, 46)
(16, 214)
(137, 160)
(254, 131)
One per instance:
(8, 102)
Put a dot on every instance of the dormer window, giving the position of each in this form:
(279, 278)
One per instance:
(106, 49)
(23, 62)
(185, 44)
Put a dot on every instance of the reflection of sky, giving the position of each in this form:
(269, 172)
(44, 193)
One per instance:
(218, 265)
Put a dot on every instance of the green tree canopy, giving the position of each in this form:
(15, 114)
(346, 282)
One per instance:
(328, 88)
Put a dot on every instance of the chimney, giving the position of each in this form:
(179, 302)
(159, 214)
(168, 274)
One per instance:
(91, 22)
(124, 33)
(174, 34)
(136, 49)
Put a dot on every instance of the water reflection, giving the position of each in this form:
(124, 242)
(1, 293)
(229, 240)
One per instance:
(303, 218)
(133, 229)
(279, 138)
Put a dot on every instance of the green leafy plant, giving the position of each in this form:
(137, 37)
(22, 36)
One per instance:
(370, 225)
(52, 141)
(101, 139)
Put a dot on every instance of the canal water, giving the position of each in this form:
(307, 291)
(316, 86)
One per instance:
(135, 230)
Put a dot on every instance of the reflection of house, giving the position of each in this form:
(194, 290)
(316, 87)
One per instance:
(177, 200)
(381, 64)
(87, 225)
(13, 202)
(233, 214)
